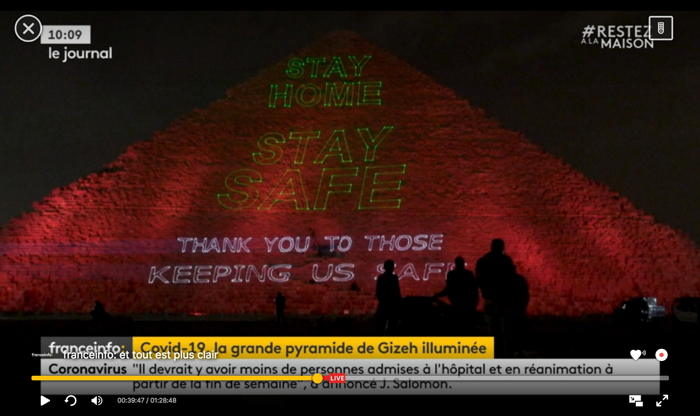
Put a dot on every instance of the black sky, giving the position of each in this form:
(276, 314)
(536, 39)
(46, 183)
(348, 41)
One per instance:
(626, 118)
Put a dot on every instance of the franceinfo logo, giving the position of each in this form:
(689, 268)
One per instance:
(629, 36)
(66, 347)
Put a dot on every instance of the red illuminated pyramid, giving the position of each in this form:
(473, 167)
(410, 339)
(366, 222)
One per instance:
(331, 148)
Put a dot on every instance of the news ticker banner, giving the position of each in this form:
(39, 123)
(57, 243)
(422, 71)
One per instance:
(323, 365)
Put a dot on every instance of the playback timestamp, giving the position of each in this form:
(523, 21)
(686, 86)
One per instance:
(147, 400)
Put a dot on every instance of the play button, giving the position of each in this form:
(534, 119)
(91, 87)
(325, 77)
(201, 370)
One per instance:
(28, 28)
(44, 400)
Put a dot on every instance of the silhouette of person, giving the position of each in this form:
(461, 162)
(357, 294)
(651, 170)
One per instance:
(517, 296)
(389, 298)
(462, 291)
(515, 303)
(280, 302)
(99, 313)
(493, 271)
(494, 274)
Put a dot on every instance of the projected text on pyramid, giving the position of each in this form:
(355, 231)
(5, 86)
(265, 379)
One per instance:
(372, 186)
(328, 93)
(377, 187)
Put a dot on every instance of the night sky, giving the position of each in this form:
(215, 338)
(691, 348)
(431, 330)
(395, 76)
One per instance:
(626, 118)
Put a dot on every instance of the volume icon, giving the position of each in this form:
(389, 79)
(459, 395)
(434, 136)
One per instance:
(97, 400)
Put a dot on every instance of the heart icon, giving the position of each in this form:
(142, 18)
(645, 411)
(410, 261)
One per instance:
(635, 354)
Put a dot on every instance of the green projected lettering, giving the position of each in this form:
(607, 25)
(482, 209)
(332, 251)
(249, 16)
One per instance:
(379, 189)
(304, 137)
(269, 152)
(328, 185)
(335, 96)
(295, 68)
(289, 189)
(308, 95)
(331, 94)
(240, 199)
(359, 64)
(347, 167)
(312, 66)
(336, 92)
(372, 141)
(336, 147)
(283, 93)
(336, 67)
(373, 187)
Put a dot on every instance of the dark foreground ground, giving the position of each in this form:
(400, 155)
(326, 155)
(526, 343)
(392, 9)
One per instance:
(543, 337)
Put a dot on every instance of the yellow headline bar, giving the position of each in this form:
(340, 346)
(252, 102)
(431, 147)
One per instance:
(189, 348)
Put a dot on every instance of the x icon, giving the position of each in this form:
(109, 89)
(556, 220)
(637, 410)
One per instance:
(28, 28)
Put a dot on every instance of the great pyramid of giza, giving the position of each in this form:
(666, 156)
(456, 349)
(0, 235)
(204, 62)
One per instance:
(338, 139)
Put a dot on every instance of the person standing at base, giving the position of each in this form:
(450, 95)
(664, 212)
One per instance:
(99, 313)
(494, 273)
(389, 297)
(515, 314)
(463, 293)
